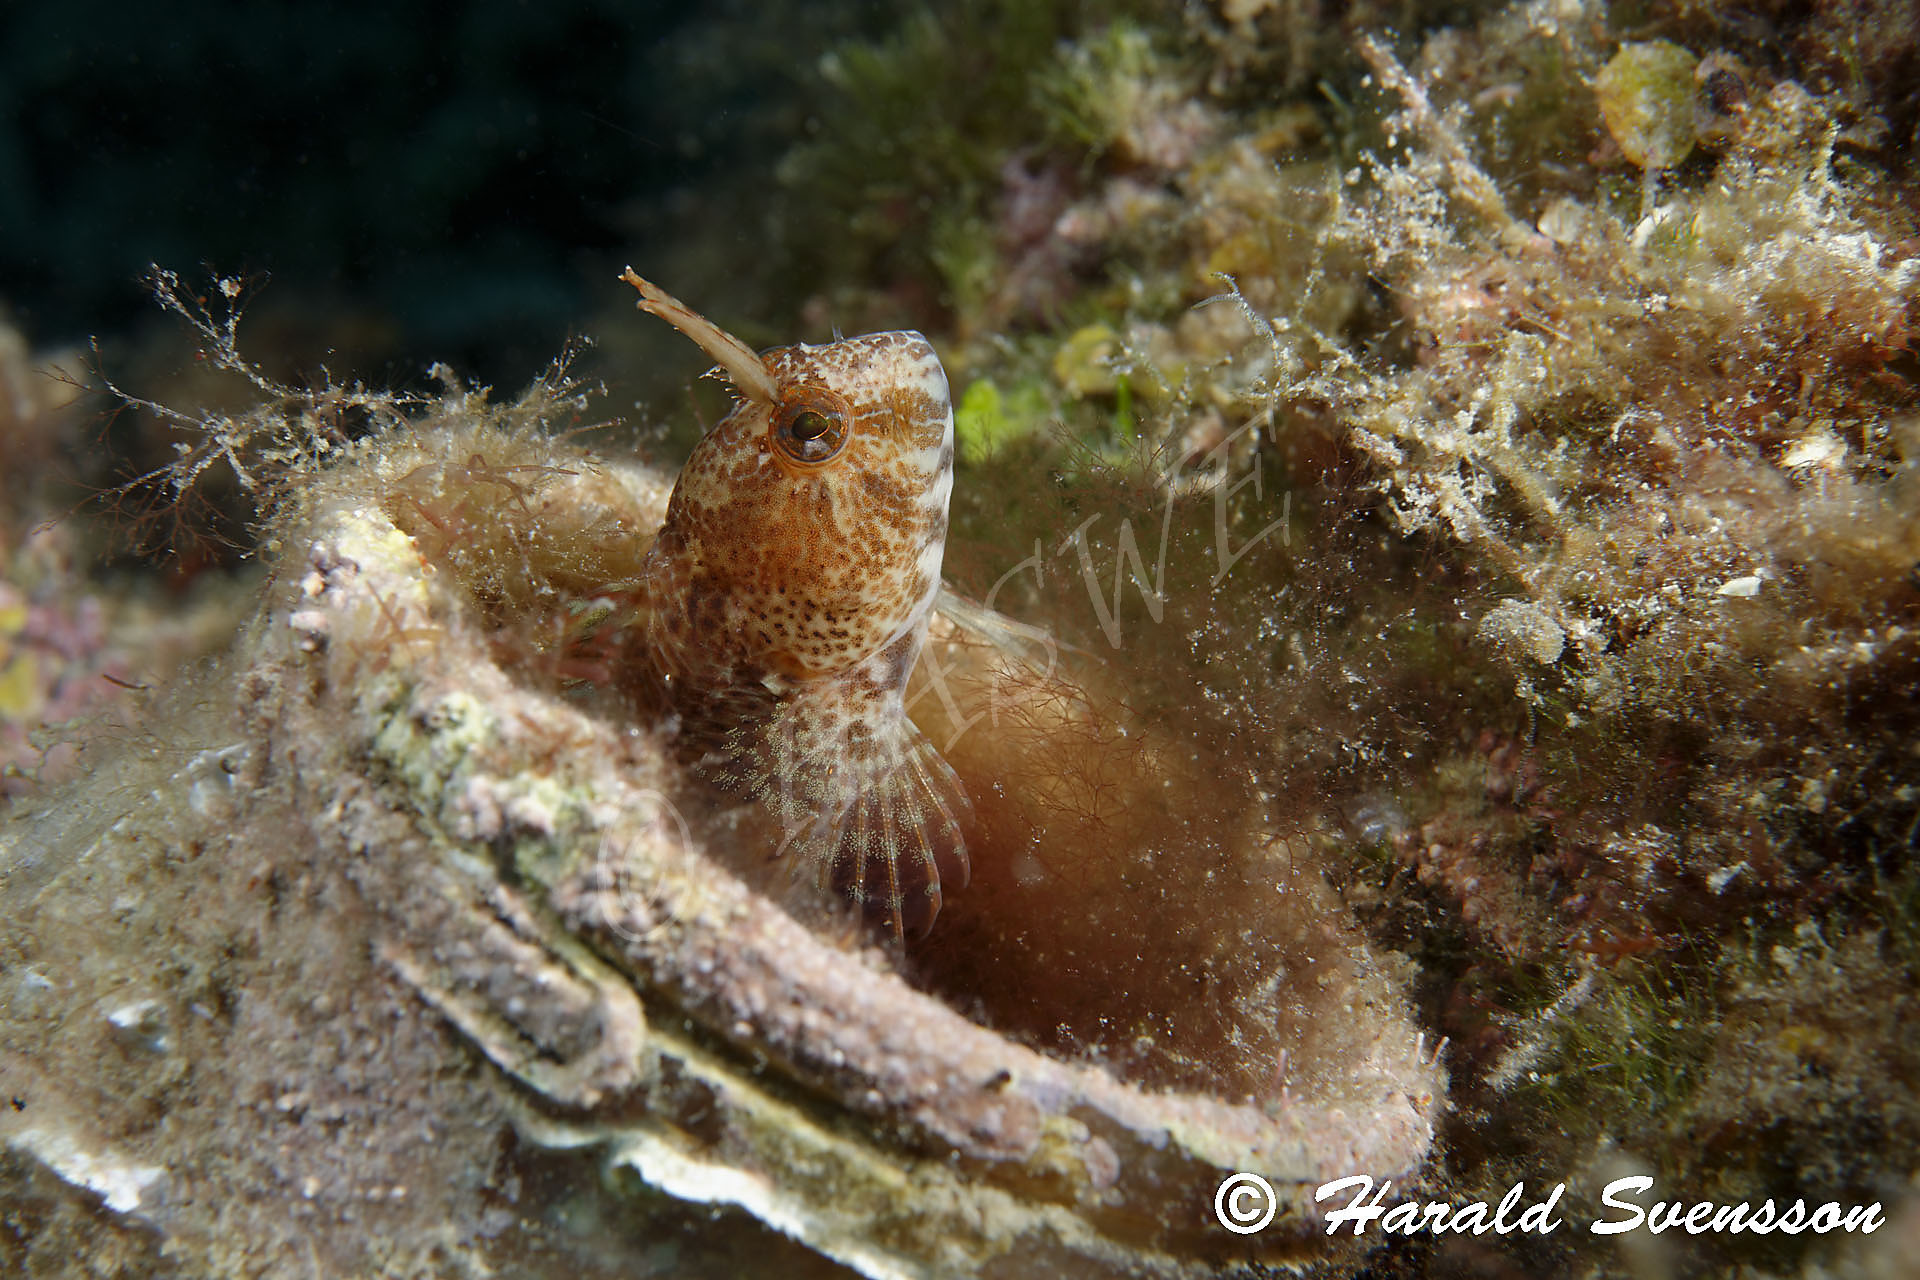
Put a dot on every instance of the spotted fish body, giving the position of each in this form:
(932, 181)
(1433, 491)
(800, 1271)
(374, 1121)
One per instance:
(787, 596)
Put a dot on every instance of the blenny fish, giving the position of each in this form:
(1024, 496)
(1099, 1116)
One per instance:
(787, 597)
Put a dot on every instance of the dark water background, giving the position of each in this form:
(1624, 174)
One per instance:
(426, 181)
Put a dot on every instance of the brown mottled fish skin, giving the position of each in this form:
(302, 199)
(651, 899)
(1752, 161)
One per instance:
(786, 600)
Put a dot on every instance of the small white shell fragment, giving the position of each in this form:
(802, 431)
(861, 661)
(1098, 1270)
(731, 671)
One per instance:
(313, 626)
(1563, 221)
(122, 1184)
(1720, 879)
(1820, 448)
(1743, 588)
(142, 1025)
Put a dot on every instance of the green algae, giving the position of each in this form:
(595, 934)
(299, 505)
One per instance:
(1646, 94)
(987, 420)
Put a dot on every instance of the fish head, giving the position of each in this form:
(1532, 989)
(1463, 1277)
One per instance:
(814, 515)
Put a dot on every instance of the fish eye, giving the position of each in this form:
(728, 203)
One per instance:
(810, 432)
(809, 424)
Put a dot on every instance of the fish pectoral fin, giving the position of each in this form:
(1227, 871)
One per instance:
(1036, 647)
(901, 841)
(880, 817)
